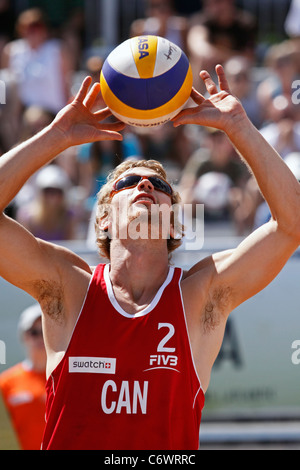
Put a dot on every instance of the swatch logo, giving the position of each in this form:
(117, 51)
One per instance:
(93, 365)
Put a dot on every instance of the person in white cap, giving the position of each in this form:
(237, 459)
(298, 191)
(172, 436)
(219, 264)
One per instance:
(22, 386)
(49, 215)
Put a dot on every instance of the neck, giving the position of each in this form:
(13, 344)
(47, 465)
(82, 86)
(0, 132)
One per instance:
(138, 269)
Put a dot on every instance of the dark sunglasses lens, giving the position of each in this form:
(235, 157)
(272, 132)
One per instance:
(133, 180)
(127, 182)
(160, 185)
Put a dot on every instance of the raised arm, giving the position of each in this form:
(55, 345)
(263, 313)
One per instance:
(247, 269)
(23, 259)
(73, 125)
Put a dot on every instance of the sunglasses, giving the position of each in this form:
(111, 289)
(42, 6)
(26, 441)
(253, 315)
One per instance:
(131, 181)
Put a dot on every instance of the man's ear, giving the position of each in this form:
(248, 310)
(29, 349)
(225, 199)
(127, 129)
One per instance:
(104, 223)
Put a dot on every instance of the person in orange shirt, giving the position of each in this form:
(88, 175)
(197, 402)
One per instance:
(23, 385)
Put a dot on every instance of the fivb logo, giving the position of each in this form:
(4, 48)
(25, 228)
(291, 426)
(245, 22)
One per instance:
(2, 92)
(2, 353)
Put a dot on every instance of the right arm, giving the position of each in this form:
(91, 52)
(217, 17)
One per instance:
(23, 258)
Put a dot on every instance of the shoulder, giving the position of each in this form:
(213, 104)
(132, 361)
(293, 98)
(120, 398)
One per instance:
(208, 265)
(65, 275)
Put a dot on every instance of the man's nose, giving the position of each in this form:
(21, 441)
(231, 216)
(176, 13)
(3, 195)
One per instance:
(145, 184)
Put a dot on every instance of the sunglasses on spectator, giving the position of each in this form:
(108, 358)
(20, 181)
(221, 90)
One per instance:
(131, 181)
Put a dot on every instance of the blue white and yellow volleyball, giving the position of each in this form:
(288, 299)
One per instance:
(146, 81)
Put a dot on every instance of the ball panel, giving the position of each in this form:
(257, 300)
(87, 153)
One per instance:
(145, 94)
(121, 59)
(168, 55)
(148, 122)
(144, 54)
(147, 117)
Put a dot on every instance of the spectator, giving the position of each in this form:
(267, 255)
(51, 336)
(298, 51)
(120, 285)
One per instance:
(40, 64)
(7, 18)
(23, 385)
(215, 177)
(262, 211)
(283, 129)
(281, 62)
(95, 161)
(48, 215)
(292, 23)
(34, 119)
(162, 20)
(240, 77)
(217, 33)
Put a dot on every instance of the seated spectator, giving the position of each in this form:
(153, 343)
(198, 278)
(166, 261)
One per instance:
(281, 63)
(292, 23)
(162, 20)
(214, 176)
(283, 129)
(239, 75)
(41, 65)
(48, 215)
(262, 211)
(217, 33)
(23, 386)
(33, 120)
(10, 110)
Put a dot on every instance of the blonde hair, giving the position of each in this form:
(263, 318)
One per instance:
(103, 204)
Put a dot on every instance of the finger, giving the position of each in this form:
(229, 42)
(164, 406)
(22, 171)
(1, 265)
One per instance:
(81, 94)
(108, 135)
(197, 97)
(113, 126)
(92, 95)
(223, 83)
(103, 113)
(185, 116)
(210, 85)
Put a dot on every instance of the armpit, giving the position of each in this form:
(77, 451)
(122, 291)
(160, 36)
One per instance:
(50, 297)
(216, 308)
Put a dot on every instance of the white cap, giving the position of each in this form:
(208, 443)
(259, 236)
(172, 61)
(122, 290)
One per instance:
(28, 317)
(52, 176)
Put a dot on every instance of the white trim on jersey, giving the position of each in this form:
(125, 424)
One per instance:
(149, 307)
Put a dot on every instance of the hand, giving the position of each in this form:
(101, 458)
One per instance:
(78, 124)
(220, 111)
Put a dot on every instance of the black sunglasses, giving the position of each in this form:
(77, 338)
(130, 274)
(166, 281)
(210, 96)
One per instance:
(131, 181)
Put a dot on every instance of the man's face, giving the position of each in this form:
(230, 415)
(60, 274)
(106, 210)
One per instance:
(141, 211)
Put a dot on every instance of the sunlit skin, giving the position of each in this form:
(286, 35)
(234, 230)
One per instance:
(211, 288)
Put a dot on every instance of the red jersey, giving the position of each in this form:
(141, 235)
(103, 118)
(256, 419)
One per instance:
(126, 381)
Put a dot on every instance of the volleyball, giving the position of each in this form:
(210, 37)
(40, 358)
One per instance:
(146, 81)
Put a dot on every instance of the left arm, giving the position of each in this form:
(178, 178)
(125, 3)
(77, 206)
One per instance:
(247, 269)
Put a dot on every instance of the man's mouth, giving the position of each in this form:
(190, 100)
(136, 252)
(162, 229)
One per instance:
(144, 198)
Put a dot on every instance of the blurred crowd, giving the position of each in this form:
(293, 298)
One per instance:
(43, 58)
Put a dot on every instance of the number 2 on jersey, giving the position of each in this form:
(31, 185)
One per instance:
(161, 346)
